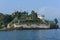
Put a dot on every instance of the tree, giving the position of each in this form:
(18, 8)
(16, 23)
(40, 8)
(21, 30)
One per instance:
(2, 18)
(16, 14)
(33, 14)
(56, 21)
(8, 18)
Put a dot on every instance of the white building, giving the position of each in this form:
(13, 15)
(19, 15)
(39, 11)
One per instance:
(41, 17)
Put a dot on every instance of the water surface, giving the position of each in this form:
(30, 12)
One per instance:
(53, 34)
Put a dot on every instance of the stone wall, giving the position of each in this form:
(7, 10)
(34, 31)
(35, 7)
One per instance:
(32, 26)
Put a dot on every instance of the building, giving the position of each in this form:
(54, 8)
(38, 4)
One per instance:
(41, 17)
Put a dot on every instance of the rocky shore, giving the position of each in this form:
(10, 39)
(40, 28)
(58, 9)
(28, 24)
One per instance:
(26, 29)
(21, 28)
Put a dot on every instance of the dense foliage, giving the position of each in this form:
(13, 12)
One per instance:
(24, 17)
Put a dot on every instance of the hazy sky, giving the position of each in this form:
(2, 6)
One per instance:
(50, 8)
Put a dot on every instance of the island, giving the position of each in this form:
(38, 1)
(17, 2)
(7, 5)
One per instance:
(24, 21)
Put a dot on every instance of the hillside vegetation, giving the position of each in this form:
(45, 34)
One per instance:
(24, 17)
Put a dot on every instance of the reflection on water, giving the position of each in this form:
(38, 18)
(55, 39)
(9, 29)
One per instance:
(30, 35)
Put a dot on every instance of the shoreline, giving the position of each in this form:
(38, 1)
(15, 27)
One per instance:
(9, 29)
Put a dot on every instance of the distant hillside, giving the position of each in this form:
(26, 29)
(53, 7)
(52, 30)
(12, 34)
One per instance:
(24, 18)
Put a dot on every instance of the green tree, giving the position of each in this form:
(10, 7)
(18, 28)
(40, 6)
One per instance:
(56, 21)
(2, 18)
(8, 18)
(16, 14)
(33, 14)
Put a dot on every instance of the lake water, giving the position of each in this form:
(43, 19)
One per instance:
(53, 34)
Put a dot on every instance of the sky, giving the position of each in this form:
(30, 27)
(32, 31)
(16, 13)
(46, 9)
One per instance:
(49, 8)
